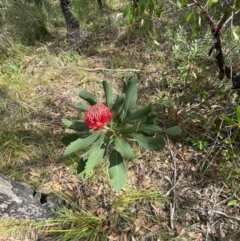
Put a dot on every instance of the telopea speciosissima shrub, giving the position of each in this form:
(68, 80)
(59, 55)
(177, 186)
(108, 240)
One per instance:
(113, 126)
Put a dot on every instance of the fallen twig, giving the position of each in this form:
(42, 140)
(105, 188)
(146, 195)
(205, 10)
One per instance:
(115, 70)
(173, 205)
(214, 212)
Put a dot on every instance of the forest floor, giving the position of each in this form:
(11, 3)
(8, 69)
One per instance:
(189, 191)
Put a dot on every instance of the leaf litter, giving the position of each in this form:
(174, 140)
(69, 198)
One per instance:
(173, 198)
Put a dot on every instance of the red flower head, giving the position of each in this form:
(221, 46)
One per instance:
(97, 116)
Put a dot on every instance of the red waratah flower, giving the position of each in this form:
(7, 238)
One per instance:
(97, 116)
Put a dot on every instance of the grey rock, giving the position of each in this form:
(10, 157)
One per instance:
(21, 202)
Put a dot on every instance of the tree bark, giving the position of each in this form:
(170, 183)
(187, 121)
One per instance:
(21, 202)
(73, 27)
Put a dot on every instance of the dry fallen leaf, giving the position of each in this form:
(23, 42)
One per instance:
(177, 226)
(196, 236)
(68, 193)
(181, 234)
(155, 228)
(100, 212)
(113, 238)
(124, 237)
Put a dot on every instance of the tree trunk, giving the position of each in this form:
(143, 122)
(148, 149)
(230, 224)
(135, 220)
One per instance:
(21, 202)
(73, 28)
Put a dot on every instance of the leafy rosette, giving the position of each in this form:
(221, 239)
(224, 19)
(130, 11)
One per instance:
(112, 125)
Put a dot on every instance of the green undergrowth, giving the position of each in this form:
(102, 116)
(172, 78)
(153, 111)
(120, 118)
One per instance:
(117, 212)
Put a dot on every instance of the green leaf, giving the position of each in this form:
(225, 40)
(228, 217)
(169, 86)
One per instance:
(126, 129)
(82, 106)
(149, 129)
(117, 170)
(229, 120)
(159, 11)
(199, 21)
(184, 3)
(124, 149)
(80, 143)
(108, 94)
(156, 42)
(127, 9)
(89, 97)
(193, 116)
(86, 154)
(150, 143)
(235, 35)
(237, 3)
(234, 135)
(131, 96)
(120, 24)
(142, 4)
(173, 131)
(75, 125)
(67, 122)
(210, 3)
(118, 105)
(195, 28)
(189, 16)
(179, 4)
(96, 154)
(125, 83)
(137, 114)
(233, 203)
(94, 159)
(238, 114)
(151, 119)
(81, 166)
(79, 126)
(68, 138)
